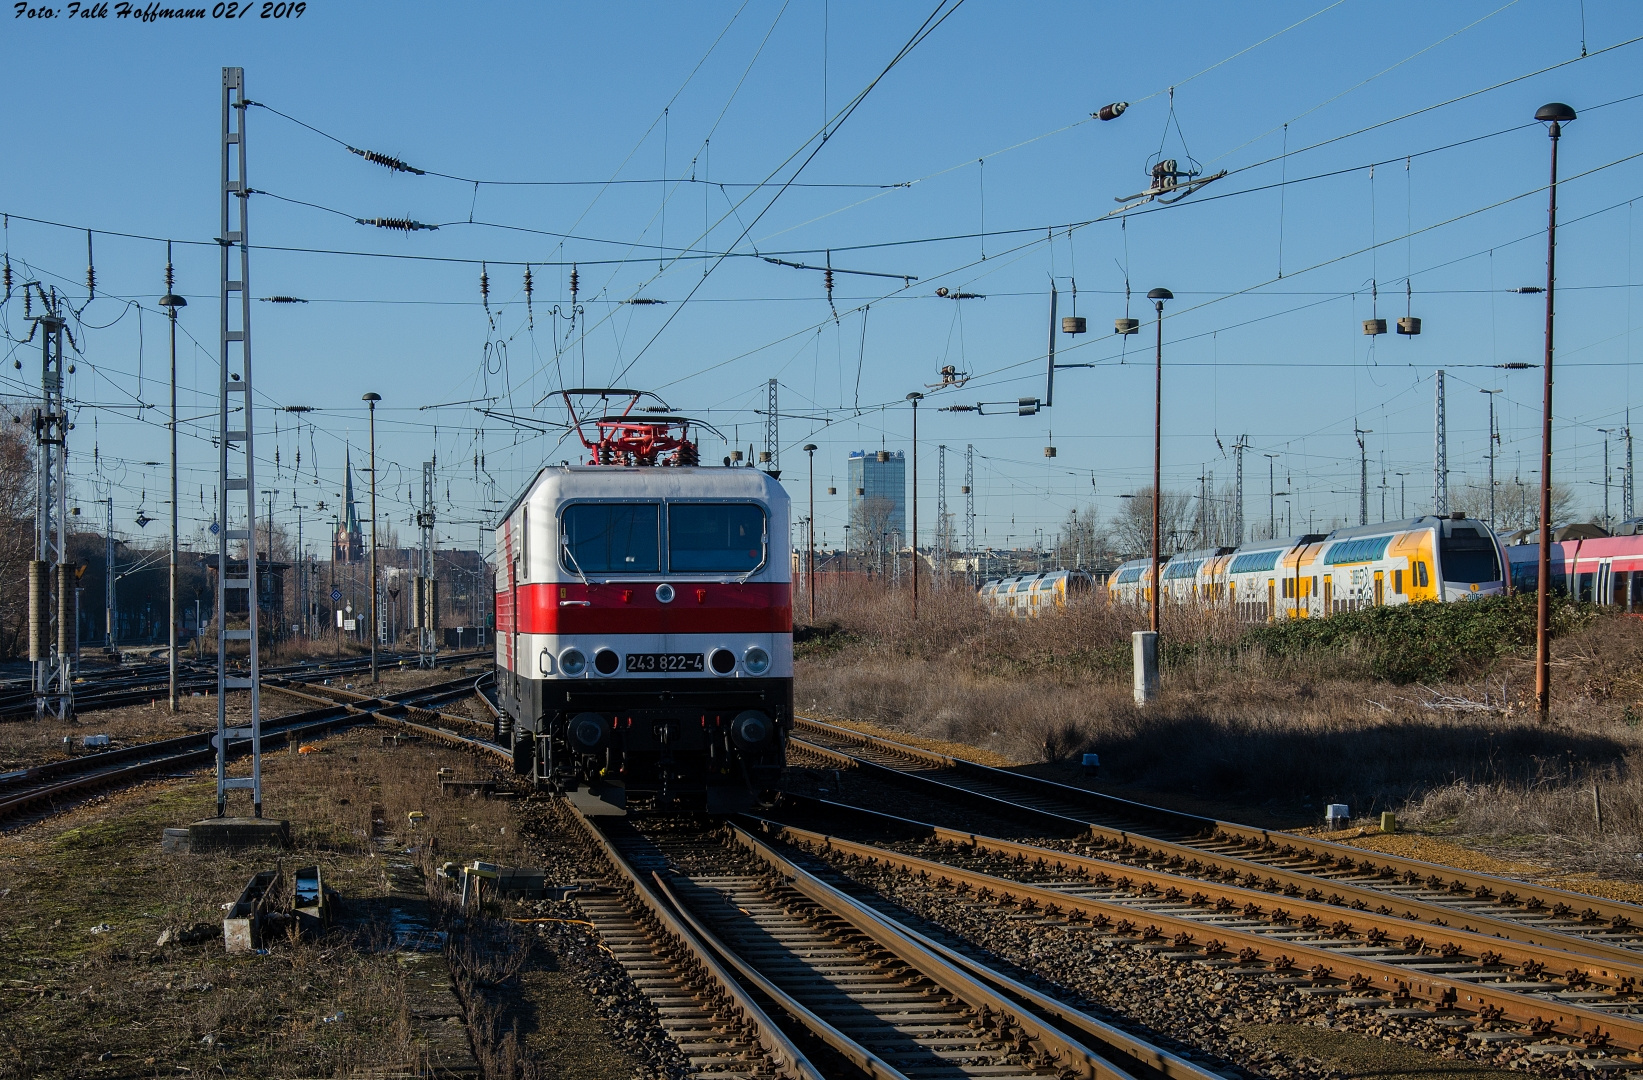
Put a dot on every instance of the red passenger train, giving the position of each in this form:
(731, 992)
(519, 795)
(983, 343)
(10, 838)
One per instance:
(644, 615)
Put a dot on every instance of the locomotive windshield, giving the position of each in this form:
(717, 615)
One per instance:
(612, 538)
(715, 537)
(1469, 558)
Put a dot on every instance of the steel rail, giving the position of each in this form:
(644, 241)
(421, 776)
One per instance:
(1256, 952)
(1210, 900)
(972, 989)
(58, 781)
(1469, 893)
(781, 1051)
(1197, 865)
(851, 1050)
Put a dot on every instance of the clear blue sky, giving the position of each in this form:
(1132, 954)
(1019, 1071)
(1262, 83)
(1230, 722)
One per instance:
(114, 125)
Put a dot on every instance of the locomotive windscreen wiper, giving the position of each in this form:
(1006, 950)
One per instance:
(574, 565)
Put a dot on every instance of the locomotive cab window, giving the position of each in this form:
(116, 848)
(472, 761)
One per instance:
(1469, 557)
(715, 538)
(611, 538)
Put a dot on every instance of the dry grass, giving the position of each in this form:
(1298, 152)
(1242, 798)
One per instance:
(1241, 734)
(69, 996)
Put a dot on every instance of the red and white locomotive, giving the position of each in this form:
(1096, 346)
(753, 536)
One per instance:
(644, 621)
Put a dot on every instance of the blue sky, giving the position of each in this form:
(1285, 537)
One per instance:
(114, 126)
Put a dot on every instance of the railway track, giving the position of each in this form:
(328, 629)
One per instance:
(1285, 864)
(132, 686)
(61, 783)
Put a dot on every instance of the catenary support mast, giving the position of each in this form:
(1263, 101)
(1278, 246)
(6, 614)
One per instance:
(236, 456)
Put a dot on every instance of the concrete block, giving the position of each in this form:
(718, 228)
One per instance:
(237, 834)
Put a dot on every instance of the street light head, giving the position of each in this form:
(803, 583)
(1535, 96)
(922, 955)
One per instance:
(372, 397)
(1160, 294)
(810, 448)
(915, 397)
(172, 300)
(1556, 112)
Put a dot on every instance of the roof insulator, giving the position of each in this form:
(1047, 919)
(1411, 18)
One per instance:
(386, 161)
(401, 224)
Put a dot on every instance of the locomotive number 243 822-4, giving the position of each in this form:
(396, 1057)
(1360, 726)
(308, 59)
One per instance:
(664, 661)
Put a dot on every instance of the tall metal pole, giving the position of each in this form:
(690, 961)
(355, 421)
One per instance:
(1440, 455)
(110, 614)
(1626, 489)
(973, 578)
(1494, 438)
(235, 431)
(1158, 296)
(1271, 497)
(47, 576)
(1363, 474)
(1238, 449)
(371, 401)
(1557, 114)
(915, 397)
(1606, 432)
(810, 449)
(171, 302)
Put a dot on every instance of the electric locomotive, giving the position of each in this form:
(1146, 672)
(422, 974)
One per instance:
(644, 621)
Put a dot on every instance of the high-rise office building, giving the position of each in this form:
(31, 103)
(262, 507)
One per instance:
(878, 496)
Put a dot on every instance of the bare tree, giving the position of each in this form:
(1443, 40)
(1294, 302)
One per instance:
(1085, 541)
(1517, 503)
(870, 525)
(1132, 525)
(16, 531)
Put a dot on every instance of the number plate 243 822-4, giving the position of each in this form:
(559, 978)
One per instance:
(668, 661)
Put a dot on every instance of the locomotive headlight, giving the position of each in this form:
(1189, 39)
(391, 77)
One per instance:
(750, 728)
(605, 662)
(756, 660)
(723, 661)
(587, 732)
(573, 662)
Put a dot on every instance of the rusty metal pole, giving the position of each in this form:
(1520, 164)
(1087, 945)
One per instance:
(1555, 115)
(1158, 296)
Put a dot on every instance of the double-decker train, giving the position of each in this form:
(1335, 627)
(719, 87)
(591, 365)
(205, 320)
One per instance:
(1317, 574)
(644, 644)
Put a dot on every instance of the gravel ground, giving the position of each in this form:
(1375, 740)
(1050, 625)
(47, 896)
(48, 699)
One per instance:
(627, 1039)
(1231, 1018)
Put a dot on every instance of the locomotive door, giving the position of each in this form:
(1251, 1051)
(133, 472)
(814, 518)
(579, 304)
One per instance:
(1380, 587)
(1329, 595)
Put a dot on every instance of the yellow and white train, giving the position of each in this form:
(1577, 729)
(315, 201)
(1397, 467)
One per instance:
(1316, 574)
(1025, 595)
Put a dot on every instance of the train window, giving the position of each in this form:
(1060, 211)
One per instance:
(715, 537)
(611, 538)
(1420, 575)
(1468, 558)
(1397, 582)
(524, 543)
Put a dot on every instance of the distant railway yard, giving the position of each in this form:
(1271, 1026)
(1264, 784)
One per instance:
(909, 907)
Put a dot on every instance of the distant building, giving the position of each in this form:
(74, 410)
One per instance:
(878, 494)
(348, 545)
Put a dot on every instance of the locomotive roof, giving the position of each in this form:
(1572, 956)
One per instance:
(658, 481)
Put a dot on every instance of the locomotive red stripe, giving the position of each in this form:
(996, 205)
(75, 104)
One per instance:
(632, 608)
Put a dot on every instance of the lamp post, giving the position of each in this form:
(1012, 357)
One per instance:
(371, 401)
(915, 397)
(171, 302)
(810, 573)
(1157, 296)
(1554, 115)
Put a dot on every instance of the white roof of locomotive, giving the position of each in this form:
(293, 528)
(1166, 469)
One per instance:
(560, 483)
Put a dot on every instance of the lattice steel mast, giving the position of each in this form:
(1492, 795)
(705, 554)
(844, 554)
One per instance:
(236, 457)
(426, 598)
(51, 575)
(1440, 456)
